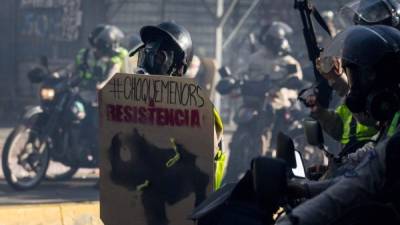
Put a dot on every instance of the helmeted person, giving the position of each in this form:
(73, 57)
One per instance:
(168, 50)
(273, 63)
(371, 59)
(371, 12)
(104, 58)
(273, 60)
(95, 65)
(341, 124)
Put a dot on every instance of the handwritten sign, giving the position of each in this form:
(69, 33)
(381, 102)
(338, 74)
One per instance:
(156, 149)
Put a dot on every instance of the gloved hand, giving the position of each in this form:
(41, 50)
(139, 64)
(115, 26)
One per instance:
(296, 190)
(329, 67)
(312, 103)
(332, 70)
(316, 171)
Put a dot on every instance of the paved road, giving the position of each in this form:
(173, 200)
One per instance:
(81, 188)
(76, 190)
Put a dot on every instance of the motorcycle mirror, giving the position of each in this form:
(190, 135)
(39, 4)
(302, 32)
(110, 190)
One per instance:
(36, 75)
(299, 171)
(224, 72)
(285, 149)
(313, 132)
(44, 61)
(269, 180)
(225, 86)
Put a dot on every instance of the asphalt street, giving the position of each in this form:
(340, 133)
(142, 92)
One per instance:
(80, 188)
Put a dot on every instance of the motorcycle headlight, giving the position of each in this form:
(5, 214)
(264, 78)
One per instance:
(47, 94)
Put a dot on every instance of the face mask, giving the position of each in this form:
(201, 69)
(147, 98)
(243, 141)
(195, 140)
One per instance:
(155, 60)
(365, 119)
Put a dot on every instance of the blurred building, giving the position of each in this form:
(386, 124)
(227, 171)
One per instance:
(59, 28)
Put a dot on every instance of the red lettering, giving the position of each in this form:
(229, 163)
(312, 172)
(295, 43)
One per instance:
(153, 116)
(118, 113)
(195, 118)
(179, 117)
(162, 117)
(186, 123)
(134, 114)
(151, 112)
(170, 117)
(142, 115)
(127, 114)
(110, 112)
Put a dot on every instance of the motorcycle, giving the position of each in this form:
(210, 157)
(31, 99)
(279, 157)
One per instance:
(256, 116)
(49, 132)
(252, 119)
(256, 198)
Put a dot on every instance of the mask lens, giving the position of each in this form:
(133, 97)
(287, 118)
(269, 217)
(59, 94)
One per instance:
(160, 57)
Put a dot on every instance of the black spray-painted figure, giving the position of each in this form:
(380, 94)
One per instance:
(164, 176)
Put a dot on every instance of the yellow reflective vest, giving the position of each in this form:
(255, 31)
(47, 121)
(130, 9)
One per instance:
(352, 130)
(220, 156)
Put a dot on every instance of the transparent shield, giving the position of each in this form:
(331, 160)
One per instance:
(299, 171)
(364, 11)
(362, 45)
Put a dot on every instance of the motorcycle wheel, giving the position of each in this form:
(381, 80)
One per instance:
(25, 158)
(58, 171)
(66, 172)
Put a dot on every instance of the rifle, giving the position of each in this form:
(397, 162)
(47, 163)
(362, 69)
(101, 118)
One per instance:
(306, 9)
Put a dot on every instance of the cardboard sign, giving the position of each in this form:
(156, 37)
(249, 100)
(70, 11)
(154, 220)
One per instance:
(156, 149)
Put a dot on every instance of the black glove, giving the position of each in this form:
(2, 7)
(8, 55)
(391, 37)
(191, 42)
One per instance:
(297, 190)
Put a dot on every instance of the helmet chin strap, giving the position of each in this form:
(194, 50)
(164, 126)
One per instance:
(176, 70)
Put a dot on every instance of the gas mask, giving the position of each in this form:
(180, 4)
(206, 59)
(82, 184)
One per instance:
(368, 103)
(154, 58)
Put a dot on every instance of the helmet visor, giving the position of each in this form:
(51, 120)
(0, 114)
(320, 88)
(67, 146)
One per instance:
(364, 12)
(360, 45)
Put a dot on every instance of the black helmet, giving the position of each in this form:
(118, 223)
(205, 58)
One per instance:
(174, 38)
(371, 59)
(371, 12)
(106, 38)
(274, 37)
(134, 41)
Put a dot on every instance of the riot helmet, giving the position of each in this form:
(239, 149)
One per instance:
(370, 56)
(371, 12)
(167, 49)
(274, 37)
(134, 42)
(106, 38)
